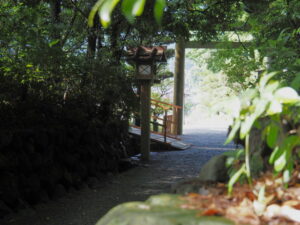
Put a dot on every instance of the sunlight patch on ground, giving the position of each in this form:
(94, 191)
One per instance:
(197, 121)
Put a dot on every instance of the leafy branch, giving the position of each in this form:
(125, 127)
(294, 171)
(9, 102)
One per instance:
(130, 9)
(267, 100)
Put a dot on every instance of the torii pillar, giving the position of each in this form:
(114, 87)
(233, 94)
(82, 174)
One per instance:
(179, 82)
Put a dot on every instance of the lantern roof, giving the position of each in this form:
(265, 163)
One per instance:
(143, 53)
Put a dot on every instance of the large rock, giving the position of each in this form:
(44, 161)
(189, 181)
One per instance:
(215, 169)
(158, 210)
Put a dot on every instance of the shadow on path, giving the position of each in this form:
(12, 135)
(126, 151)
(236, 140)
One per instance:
(86, 206)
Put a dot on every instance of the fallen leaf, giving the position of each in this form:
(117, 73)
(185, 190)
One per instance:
(250, 195)
(193, 195)
(211, 212)
(243, 214)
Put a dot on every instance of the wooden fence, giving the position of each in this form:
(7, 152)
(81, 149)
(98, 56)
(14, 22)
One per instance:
(164, 119)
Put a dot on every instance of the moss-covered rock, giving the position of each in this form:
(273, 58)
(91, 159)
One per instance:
(215, 169)
(164, 209)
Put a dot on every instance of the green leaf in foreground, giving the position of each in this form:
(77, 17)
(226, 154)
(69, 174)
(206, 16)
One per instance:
(265, 79)
(132, 8)
(274, 108)
(272, 134)
(235, 178)
(106, 10)
(280, 156)
(247, 125)
(280, 163)
(275, 154)
(94, 11)
(287, 173)
(296, 82)
(286, 95)
(233, 131)
(158, 10)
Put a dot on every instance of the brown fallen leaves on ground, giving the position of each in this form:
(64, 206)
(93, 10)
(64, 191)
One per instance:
(267, 201)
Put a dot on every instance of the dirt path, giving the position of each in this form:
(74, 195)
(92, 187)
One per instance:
(86, 206)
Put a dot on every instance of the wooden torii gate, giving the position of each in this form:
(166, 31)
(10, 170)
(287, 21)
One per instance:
(181, 45)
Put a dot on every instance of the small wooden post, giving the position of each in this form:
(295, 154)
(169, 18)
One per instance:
(165, 125)
(175, 123)
(145, 119)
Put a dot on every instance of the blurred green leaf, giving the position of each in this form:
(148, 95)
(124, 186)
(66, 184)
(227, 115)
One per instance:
(94, 11)
(286, 95)
(275, 154)
(285, 148)
(158, 10)
(287, 173)
(233, 131)
(229, 161)
(274, 108)
(280, 163)
(272, 86)
(296, 82)
(235, 178)
(105, 11)
(247, 125)
(132, 8)
(265, 78)
(260, 107)
(272, 135)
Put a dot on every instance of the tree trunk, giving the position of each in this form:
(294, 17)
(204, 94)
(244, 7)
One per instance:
(116, 51)
(92, 43)
(55, 14)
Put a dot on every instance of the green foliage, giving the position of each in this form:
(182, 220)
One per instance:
(163, 90)
(50, 64)
(211, 89)
(133, 8)
(158, 10)
(130, 9)
(48, 56)
(273, 31)
(161, 21)
(234, 160)
(235, 177)
(279, 104)
(237, 64)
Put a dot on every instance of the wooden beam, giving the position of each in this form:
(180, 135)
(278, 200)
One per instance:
(215, 45)
(179, 82)
(145, 120)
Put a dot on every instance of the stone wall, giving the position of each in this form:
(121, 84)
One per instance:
(41, 164)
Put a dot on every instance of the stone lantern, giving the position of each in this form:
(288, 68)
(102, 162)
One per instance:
(146, 59)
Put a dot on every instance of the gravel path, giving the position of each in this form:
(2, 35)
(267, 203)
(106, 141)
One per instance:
(86, 206)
